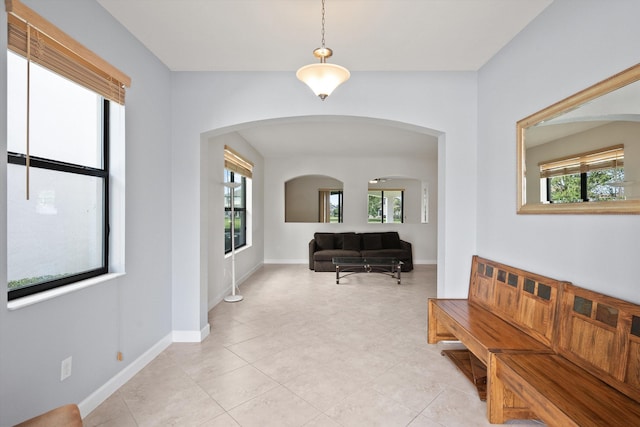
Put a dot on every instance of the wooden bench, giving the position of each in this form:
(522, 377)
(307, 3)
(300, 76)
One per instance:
(507, 310)
(64, 416)
(594, 377)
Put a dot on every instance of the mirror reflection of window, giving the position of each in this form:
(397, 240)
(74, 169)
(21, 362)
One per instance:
(386, 206)
(330, 203)
(594, 176)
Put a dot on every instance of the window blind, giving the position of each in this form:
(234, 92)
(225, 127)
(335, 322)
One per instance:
(604, 158)
(38, 40)
(236, 163)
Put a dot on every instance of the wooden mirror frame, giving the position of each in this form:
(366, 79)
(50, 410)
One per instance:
(608, 85)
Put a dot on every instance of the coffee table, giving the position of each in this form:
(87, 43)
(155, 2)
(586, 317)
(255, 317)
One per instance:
(353, 265)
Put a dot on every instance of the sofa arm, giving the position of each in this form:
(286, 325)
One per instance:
(312, 249)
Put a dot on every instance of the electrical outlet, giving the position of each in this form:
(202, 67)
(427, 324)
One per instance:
(65, 369)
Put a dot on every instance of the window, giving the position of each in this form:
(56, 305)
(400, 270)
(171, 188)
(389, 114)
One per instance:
(58, 109)
(588, 177)
(386, 206)
(239, 211)
(330, 206)
(240, 171)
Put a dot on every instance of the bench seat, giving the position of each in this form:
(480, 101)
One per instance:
(562, 393)
(478, 329)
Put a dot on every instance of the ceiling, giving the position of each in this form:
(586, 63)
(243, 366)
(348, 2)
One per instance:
(340, 136)
(365, 35)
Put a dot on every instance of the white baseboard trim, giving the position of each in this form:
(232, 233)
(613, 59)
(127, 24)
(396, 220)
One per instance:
(191, 336)
(306, 261)
(217, 299)
(287, 261)
(96, 398)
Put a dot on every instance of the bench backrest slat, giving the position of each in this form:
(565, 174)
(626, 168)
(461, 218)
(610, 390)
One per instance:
(526, 300)
(601, 334)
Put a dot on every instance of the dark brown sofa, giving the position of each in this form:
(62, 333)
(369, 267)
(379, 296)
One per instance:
(324, 246)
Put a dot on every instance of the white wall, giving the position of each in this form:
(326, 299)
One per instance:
(570, 46)
(205, 102)
(130, 314)
(288, 242)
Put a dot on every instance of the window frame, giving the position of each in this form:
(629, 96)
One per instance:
(382, 205)
(230, 176)
(39, 41)
(103, 173)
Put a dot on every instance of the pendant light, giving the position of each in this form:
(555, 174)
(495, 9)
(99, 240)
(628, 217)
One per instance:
(322, 77)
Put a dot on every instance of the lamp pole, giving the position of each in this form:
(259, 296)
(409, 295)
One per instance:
(233, 297)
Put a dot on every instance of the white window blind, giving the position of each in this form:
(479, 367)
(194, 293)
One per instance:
(38, 40)
(236, 163)
(604, 158)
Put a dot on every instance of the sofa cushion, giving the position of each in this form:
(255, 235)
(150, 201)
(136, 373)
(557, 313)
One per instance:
(351, 242)
(329, 254)
(391, 240)
(371, 241)
(324, 241)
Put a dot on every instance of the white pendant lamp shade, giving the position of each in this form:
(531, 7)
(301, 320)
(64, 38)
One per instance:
(323, 78)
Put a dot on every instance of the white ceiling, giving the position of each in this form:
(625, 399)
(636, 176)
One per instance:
(280, 35)
(365, 35)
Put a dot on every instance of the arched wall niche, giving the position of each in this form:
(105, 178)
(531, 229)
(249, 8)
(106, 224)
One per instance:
(414, 195)
(313, 198)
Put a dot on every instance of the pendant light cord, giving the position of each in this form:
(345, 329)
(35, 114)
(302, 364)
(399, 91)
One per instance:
(323, 24)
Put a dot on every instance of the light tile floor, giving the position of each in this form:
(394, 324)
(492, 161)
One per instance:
(300, 350)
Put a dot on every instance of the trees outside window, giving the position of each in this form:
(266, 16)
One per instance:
(592, 186)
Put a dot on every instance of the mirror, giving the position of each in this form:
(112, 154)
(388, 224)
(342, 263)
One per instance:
(313, 198)
(582, 154)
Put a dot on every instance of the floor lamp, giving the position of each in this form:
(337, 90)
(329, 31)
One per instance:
(233, 297)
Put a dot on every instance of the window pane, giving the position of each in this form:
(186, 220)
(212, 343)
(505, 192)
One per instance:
(65, 118)
(385, 206)
(239, 205)
(335, 206)
(239, 234)
(565, 189)
(59, 231)
(394, 209)
(375, 206)
(606, 184)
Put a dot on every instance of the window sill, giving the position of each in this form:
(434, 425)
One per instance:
(63, 290)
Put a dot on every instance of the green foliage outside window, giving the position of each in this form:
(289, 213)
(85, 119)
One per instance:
(600, 186)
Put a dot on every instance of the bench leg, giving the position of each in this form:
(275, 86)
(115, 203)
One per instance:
(436, 332)
(495, 393)
(502, 404)
(432, 325)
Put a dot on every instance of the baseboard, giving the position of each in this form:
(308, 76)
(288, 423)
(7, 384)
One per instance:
(217, 299)
(287, 261)
(306, 261)
(96, 398)
(191, 336)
